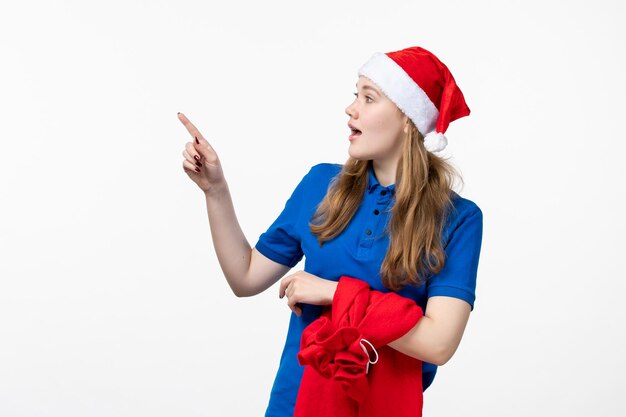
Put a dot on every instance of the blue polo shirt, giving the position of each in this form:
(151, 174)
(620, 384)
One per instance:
(359, 252)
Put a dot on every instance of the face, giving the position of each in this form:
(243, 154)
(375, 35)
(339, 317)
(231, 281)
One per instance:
(378, 126)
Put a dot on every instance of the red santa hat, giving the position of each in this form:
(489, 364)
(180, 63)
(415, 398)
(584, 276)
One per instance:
(422, 87)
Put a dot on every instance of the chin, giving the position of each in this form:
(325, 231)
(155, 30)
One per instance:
(356, 157)
(359, 156)
(355, 154)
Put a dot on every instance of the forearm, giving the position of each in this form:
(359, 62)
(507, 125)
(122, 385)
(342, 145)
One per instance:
(437, 335)
(231, 246)
(422, 343)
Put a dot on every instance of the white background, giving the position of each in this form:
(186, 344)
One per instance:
(111, 299)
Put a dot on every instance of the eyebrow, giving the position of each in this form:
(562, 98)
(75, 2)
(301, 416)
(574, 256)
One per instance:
(367, 87)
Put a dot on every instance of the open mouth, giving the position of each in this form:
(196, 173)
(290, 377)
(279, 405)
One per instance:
(355, 132)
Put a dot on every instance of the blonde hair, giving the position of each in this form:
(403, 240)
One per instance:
(424, 183)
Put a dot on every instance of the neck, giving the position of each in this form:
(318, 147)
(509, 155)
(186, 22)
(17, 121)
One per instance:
(385, 172)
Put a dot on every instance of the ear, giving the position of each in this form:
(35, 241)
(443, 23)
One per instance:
(406, 124)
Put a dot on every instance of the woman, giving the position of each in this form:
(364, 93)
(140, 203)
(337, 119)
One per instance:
(387, 217)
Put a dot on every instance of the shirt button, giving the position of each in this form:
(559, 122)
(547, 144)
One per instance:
(383, 192)
(368, 232)
(376, 212)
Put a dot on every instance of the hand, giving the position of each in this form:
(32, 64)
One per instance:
(303, 287)
(201, 162)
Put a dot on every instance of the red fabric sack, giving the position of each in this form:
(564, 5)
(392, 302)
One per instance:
(349, 369)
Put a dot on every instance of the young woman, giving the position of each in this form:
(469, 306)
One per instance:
(388, 217)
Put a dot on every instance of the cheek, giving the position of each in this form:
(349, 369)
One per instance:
(385, 128)
(394, 123)
(382, 120)
(378, 120)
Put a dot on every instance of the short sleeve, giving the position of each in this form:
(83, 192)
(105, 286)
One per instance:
(281, 242)
(458, 277)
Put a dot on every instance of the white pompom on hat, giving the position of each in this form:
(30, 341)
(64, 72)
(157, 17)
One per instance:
(422, 87)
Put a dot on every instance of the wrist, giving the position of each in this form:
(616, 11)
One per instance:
(216, 190)
(332, 288)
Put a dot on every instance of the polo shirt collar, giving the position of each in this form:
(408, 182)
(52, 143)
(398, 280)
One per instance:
(373, 184)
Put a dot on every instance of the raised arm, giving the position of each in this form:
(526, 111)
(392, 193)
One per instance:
(246, 270)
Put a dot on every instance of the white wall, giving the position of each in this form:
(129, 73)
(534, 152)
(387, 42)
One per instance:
(111, 299)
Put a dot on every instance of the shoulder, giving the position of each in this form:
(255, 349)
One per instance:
(316, 181)
(462, 212)
(324, 170)
(465, 207)
(320, 175)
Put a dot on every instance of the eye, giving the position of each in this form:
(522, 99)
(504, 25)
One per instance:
(366, 98)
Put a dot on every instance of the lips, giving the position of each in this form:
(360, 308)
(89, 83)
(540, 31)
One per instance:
(355, 132)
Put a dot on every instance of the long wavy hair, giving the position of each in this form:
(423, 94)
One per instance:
(424, 185)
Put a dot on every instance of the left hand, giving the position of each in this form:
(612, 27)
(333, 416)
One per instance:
(303, 287)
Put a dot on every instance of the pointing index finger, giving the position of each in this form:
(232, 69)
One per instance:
(190, 127)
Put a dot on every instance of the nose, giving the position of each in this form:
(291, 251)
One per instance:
(351, 110)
